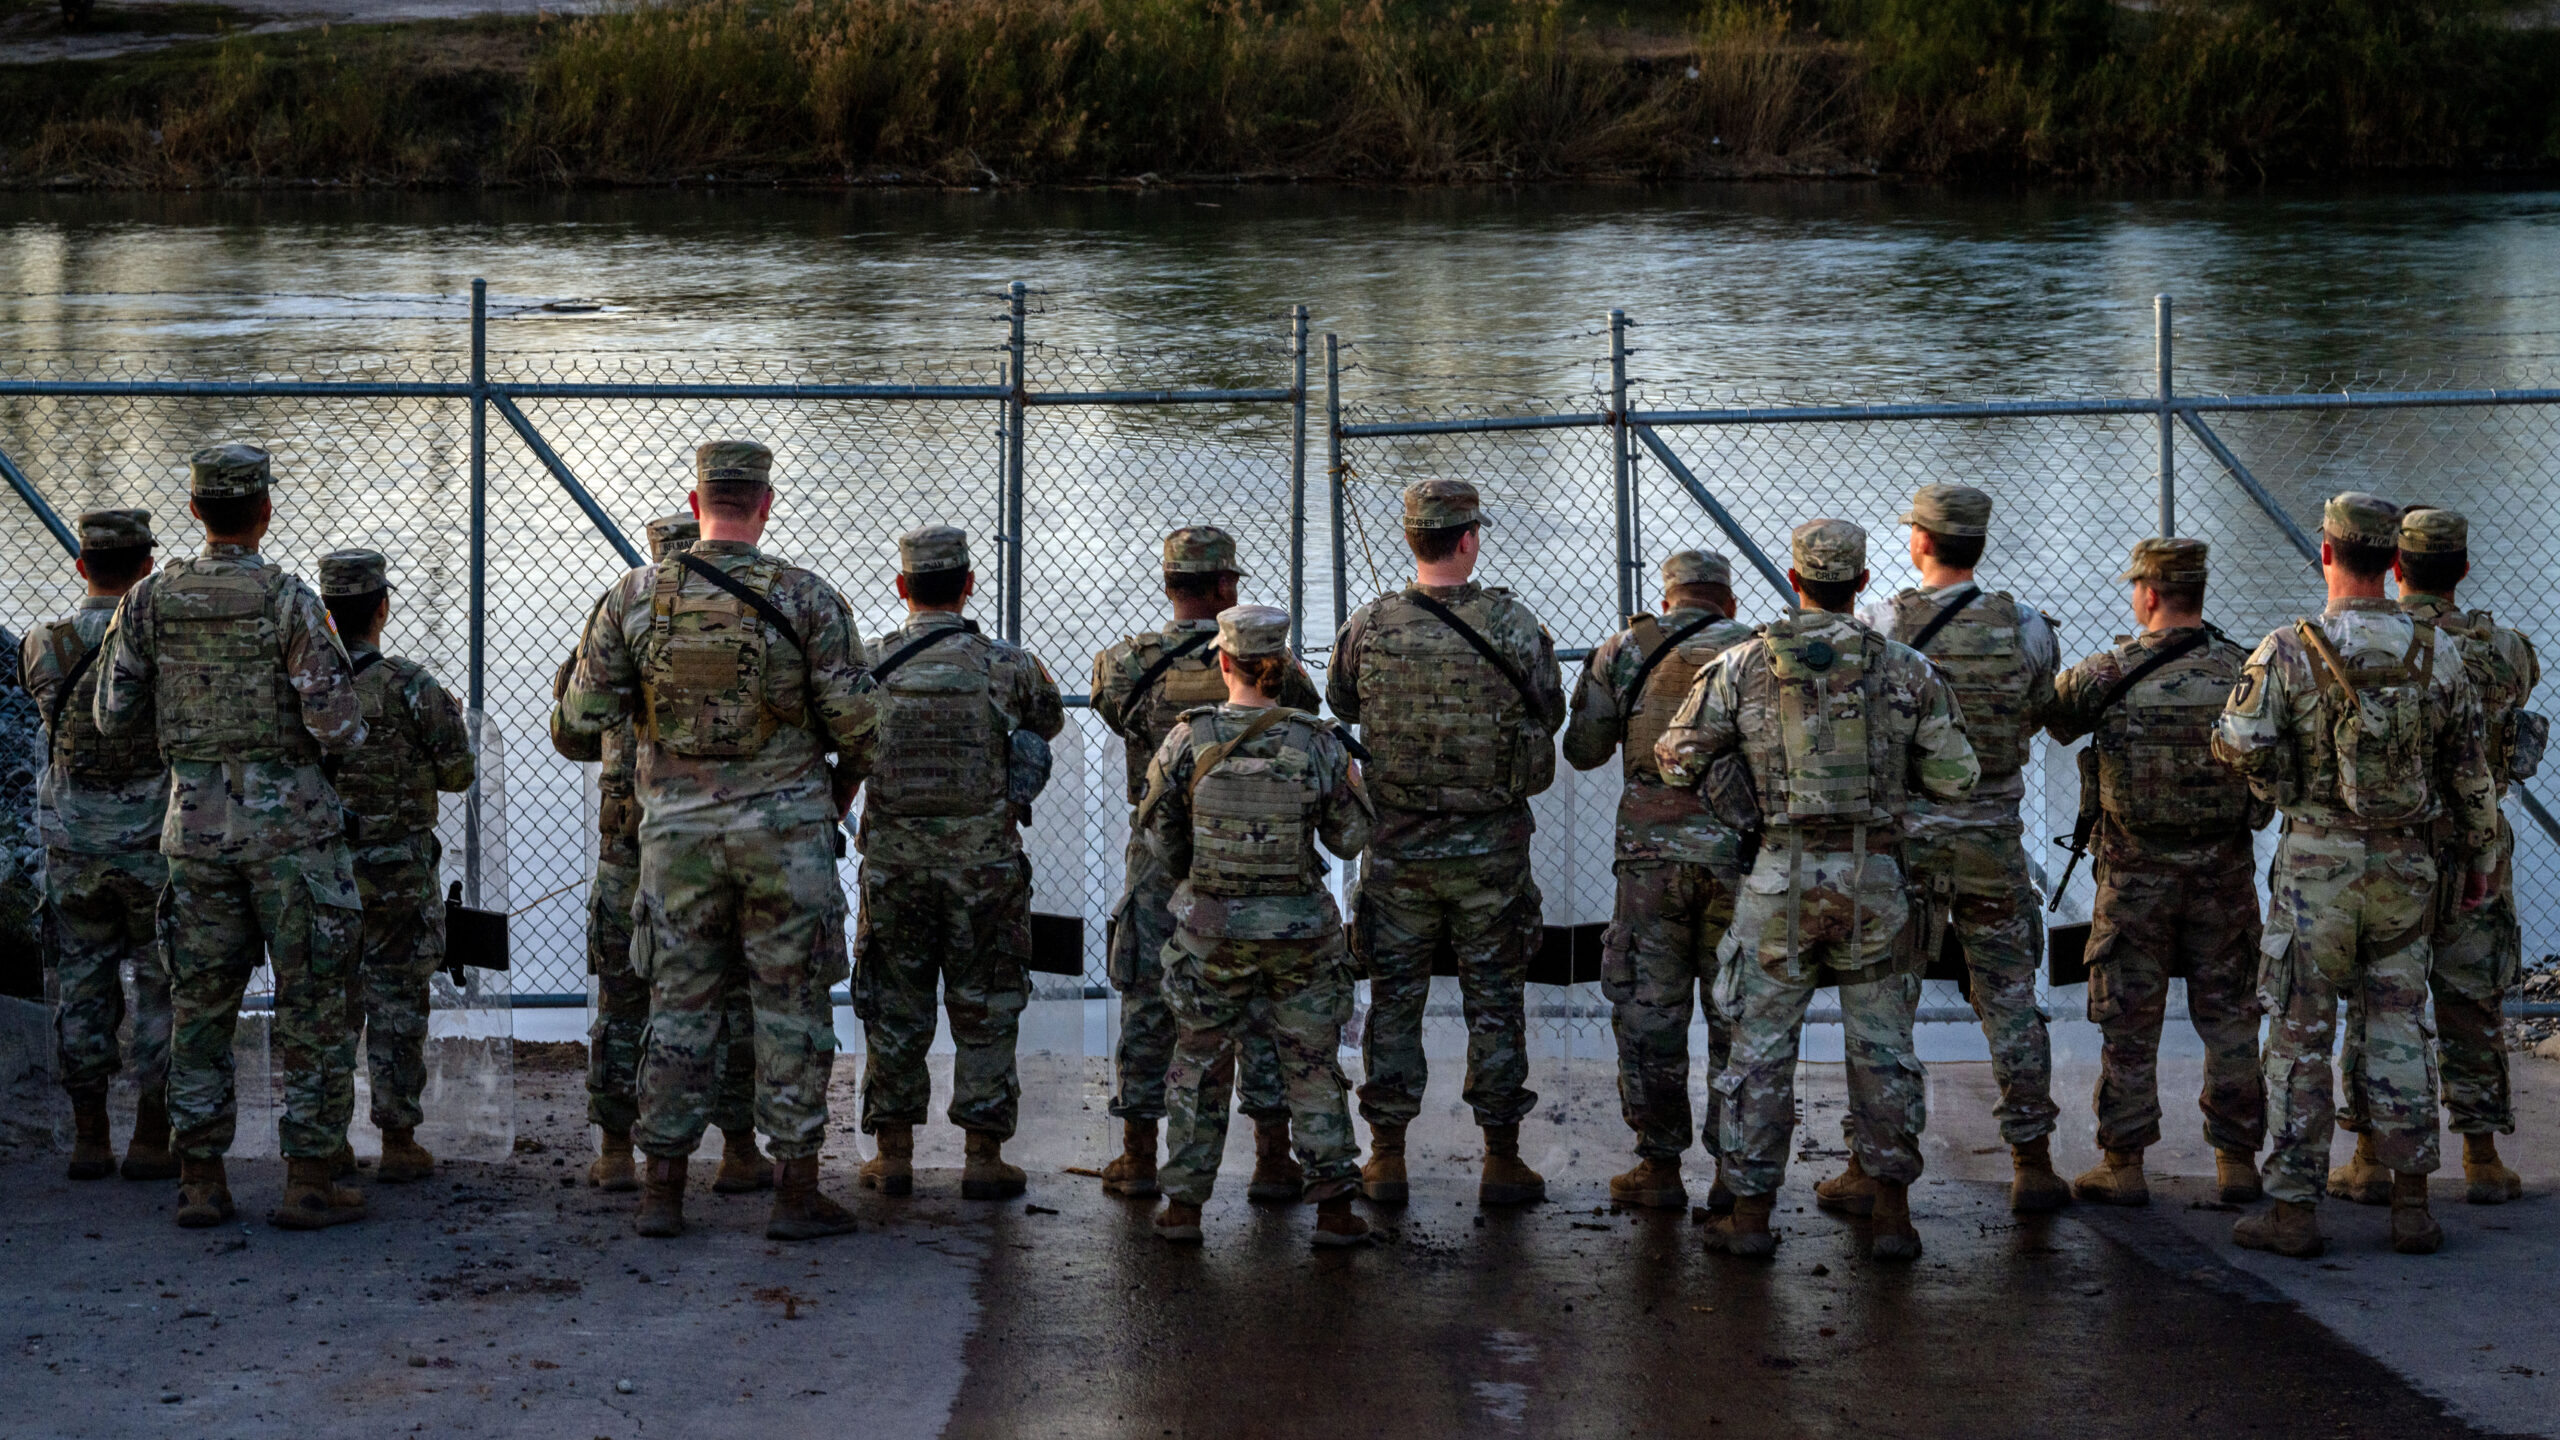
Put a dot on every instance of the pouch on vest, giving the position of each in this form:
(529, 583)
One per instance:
(2527, 734)
(713, 680)
(1823, 699)
(943, 748)
(2378, 724)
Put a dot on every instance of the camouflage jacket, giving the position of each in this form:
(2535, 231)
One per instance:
(21, 856)
(2179, 769)
(617, 784)
(785, 784)
(87, 817)
(2276, 729)
(1655, 821)
(1142, 721)
(2501, 663)
(240, 810)
(415, 745)
(1993, 804)
(1343, 819)
(1026, 698)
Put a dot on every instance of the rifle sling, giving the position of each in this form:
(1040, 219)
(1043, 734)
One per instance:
(2139, 673)
(881, 672)
(1939, 621)
(371, 659)
(764, 608)
(1217, 754)
(1164, 662)
(1484, 648)
(1635, 691)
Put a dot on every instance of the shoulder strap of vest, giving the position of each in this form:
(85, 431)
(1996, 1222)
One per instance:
(2135, 676)
(1164, 662)
(1939, 621)
(764, 608)
(1482, 646)
(1635, 689)
(2325, 659)
(70, 682)
(881, 672)
(368, 662)
(1216, 755)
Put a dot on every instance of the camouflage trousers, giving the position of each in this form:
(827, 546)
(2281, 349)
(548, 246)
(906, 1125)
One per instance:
(1978, 878)
(1296, 994)
(1658, 961)
(2349, 920)
(299, 912)
(1139, 931)
(1483, 910)
(766, 899)
(1764, 988)
(968, 928)
(401, 946)
(2478, 955)
(2148, 921)
(622, 1017)
(101, 909)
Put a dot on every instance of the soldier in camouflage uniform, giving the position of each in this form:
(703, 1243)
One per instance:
(1967, 859)
(2175, 873)
(741, 674)
(1832, 724)
(99, 813)
(2360, 726)
(1141, 685)
(414, 746)
(1462, 740)
(1677, 866)
(231, 663)
(622, 994)
(946, 888)
(1237, 798)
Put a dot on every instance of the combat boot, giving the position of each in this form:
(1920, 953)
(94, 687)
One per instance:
(1720, 1192)
(2413, 1230)
(1278, 1178)
(661, 1212)
(403, 1158)
(1337, 1227)
(744, 1169)
(614, 1172)
(1506, 1180)
(2364, 1179)
(2035, 1188)
(342, 1161)
(1851, 1192)
(93, 1150)
(983, 1173)
(1179, 1223)
(892, 1172)
(2236, 1171)
(2285, 1228)
(1889, 1232)
(147, 1155)
(1653, 1184)
(1745, 1230)
(204, 1193)
(799, 1211)
(2116, 1179)
(313, 1198)
(2487, 1180)
(1382, 1179)
(1133, 1171)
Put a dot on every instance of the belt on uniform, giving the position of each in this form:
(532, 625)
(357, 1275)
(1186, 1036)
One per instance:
(2414, 833)
(1822, 837)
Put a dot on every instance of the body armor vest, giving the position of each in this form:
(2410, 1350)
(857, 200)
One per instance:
(2156, 769)
(1818, 767)
(716, 684)
(1253, 812)
(2377, 728)
(1186, 685)
(220, 690)
(79, 749)
(943, 746)
(1982, 652)
(388, 786)
(1649, 710)
(1450, 733)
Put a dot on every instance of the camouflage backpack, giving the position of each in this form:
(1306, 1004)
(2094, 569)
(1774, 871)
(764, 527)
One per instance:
(1981, 649)
(1253, 814)
(1818, 765)
(714, 686)
(79, 749)
(944, 747)
(221, 691)
(2378, 726)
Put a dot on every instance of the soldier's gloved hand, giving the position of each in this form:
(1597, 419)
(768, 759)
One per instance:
(2476, 890)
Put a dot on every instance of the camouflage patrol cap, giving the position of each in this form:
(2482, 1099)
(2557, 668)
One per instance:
(219, 472)
(116, 530)
(1201, 550)
(2426, 530)
(2177, 561)
(1828, 550)
(733, 460)
(1696, 567)
(1253, 630)
(2362, 519)
(933, 547)
(1441, 505)
(668, 531)
(353, 572)
(1950, 510)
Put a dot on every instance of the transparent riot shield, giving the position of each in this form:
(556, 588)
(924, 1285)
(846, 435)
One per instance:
(1073, 842)
(469, 1100)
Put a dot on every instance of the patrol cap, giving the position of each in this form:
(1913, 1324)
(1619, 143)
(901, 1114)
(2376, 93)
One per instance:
(668, 531)
(116, 530)
(1950, 510)
(1245, 630)
(1441, 505)
(2362, 519)
(1201, 550)
(933, 547)
(353, 572)
(2426, 530)
(219, 472)
(733, 460)
(2175, 561)
(1696, 567)
(1828, 550)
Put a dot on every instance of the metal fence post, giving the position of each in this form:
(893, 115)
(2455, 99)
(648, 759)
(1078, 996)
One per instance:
(1014, 409)
(1621, 463)
(479, 576)
(2168, 420)
(1298, 481)
(1333, 474)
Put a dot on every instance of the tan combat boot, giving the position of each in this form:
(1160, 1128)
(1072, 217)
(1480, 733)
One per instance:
(1337, 1227)
(661, 1212)
(1889, 1232)
(2035, 1188)
(93, 1149)
(1278, 1178)
(2115, 1180)
(2486, 1178)
(1382, 1179)
(2237, 1173)
(313, 1198)
(2284, 1228)
(1133, 1171)
(1720, 1193)
(1653, 1184)
(2363, 1180)
(892, 1172)
(1506, 1180)
(204, 1193)
(1179, 1223)
(2413, 1230)
(1745, 1231)
(614, 1172)
(983, 1173)
(342, 1161)
(799, 1211)
(744, 1169)
(147, 1155)
(1851, 1192)
(403, 1158)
